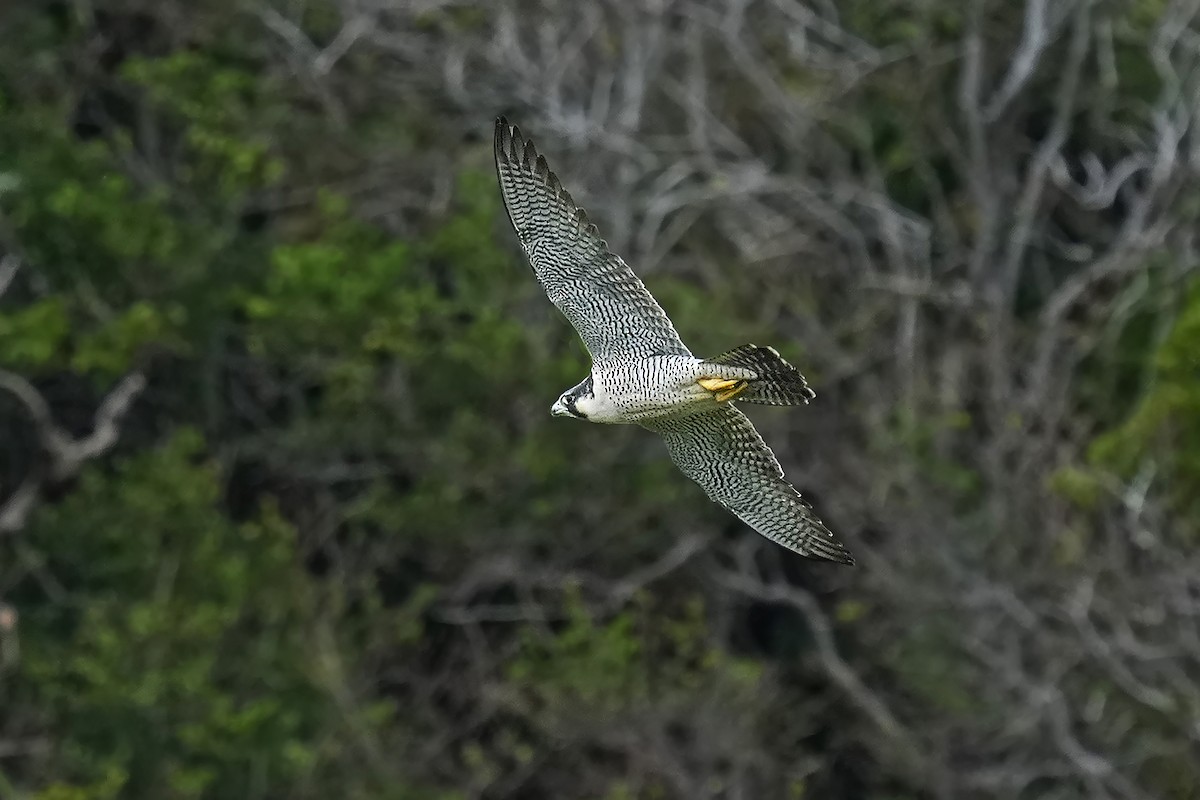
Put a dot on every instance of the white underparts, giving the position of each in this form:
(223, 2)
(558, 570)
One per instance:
(653, 387)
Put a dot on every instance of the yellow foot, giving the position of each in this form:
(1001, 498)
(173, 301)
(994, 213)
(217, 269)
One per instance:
(723, 389)
(729, 394)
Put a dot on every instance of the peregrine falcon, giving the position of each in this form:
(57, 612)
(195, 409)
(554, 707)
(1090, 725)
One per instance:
(642, 373)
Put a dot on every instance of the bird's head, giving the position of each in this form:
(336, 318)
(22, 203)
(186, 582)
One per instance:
(567, 405)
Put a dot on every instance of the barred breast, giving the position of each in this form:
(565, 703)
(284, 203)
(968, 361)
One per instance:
(645, 389)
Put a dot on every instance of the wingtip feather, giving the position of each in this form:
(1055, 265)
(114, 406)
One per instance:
(506, 136)
(838, 553)
(514, 151)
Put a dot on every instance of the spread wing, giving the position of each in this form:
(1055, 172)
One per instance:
(615, 315)
(721, 451)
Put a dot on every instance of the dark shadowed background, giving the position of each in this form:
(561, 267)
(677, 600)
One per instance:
(283, 513)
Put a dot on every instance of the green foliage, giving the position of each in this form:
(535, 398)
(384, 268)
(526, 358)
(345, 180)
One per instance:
(1164, 428)
(107, 787)
(114, 345)
(228, 116)
(925, 662)
(80, 216)
(33, 337)
(644, 655)
(335, 292)
(902, 23)
(1078, 485)
(597, 666)
(355, 291)
(925, 442)
(134, 269)
(179, 660)
(267, 588)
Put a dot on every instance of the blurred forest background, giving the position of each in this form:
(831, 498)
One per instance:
(283, 513)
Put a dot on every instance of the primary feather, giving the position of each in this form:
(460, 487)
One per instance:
(722, 451)
(596, 291)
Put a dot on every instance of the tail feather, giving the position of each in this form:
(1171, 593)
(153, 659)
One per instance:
(778, 383)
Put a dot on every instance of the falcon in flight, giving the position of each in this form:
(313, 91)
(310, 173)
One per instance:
(642, 373)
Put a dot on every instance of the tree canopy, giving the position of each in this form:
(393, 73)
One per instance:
(283, 513)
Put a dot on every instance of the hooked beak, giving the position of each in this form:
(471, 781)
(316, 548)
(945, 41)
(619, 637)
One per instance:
(559, 409)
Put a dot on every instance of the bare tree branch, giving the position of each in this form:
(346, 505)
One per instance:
(66, 453)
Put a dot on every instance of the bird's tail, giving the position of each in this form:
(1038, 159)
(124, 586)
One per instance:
(777, 383)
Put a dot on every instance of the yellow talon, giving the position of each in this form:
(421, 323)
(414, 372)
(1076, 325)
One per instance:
(729, 394)
(723, 388)
(717, 384)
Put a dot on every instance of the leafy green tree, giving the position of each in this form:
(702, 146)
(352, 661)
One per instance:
(282, 511)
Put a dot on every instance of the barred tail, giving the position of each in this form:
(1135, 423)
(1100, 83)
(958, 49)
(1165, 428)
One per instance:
(778, 383)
